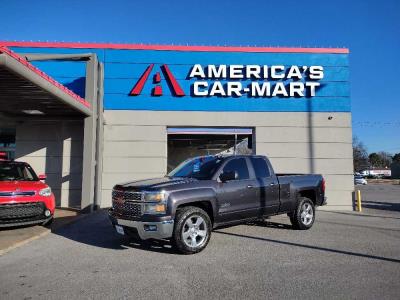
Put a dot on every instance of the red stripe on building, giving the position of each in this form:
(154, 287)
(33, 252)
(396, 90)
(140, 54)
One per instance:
(176, 48)
(27, 64)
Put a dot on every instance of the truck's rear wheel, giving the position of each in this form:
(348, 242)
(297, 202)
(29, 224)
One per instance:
(192, 230)
(304, 215)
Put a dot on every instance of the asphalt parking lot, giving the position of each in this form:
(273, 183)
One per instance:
(343, 256)
(380, 198)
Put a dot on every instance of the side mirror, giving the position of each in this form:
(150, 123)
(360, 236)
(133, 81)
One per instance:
(229, 175)
(42, 177)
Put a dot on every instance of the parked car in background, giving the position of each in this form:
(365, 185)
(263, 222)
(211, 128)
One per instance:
(204, 193)
(377, 173)
(24, 197)
(359, 179)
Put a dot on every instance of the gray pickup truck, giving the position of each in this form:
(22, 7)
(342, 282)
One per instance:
(207, 192)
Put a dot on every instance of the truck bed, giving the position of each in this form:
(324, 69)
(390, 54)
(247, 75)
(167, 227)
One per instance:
(308, 179)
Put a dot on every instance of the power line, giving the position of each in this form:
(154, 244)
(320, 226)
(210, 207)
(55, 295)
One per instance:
(376, 124)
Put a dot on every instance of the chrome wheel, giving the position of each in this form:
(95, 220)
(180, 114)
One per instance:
(194, 231)
(307, 214)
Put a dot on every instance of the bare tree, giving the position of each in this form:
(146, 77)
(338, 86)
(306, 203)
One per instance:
(386, 159)
(381, 159)
(360, 155)
(396, 157)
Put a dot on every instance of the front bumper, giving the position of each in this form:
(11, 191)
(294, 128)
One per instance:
(25, 213)
(22, 222)
(159, 230)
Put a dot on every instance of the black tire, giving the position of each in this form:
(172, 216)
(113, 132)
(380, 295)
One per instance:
(48, 222)
(303, 222)
(181, 228)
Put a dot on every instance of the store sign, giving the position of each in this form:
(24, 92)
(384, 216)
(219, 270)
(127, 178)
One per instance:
(252, 81)
(265, 81)
(157, 90)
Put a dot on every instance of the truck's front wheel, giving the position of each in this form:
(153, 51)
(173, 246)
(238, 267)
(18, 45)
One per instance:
(304, 215)
(192, 230)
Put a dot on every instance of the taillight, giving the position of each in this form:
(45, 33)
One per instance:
(323, 185)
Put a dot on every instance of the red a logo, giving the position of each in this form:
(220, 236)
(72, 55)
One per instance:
(157, 90)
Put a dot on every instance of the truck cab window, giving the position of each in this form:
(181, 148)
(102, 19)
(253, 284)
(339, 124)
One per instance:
(260, 167)
(200, 168)
(240, 166)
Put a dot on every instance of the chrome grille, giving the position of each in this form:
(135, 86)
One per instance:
(127, 208)
(127, 203)
(134, 196)
(127, 195)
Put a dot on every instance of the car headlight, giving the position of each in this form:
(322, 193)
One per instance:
(46, 192)
(155, 202)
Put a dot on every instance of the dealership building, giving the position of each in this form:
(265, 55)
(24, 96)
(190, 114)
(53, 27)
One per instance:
(93, 115)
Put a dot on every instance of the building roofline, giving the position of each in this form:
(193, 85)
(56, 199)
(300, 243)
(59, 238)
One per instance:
(173, 47)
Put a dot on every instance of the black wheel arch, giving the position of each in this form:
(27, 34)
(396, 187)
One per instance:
(205, 205)
(309, 193)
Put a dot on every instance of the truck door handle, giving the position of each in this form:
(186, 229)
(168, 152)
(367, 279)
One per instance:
(250, 186)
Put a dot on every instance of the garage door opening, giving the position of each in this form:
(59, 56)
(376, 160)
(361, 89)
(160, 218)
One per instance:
(184, 142)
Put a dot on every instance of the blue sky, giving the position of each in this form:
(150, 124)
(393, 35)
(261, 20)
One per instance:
(371, 29)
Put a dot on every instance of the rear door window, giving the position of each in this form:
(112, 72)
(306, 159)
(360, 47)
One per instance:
(240, 166)
(260, 167)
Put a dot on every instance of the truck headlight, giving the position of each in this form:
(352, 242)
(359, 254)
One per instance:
(155, 202)
(46, 192)
(155, 208)
(155, 196)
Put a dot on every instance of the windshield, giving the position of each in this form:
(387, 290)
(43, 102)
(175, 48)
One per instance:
(198, 167)
(16, 172)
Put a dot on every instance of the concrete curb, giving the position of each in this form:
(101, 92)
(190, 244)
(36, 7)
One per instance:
(40, 235)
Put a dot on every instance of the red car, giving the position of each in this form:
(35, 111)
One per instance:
(24, 197)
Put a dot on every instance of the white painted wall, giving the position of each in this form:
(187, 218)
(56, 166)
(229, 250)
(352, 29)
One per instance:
(54, 148)
(135, 145)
